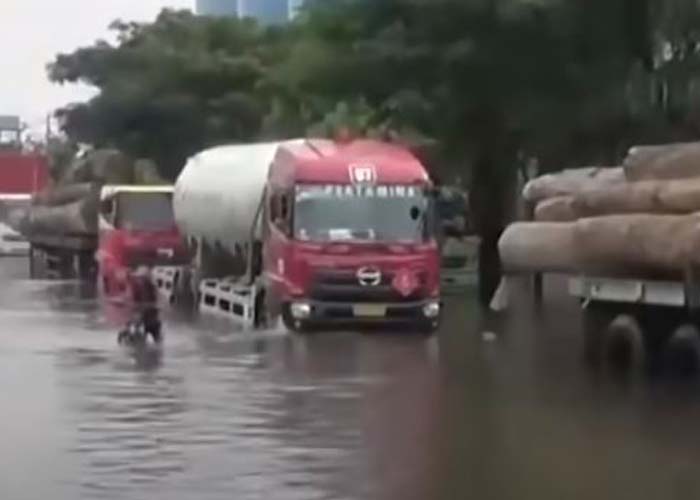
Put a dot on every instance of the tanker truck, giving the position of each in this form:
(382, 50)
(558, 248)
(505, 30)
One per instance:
(91, 225)
(312, 231)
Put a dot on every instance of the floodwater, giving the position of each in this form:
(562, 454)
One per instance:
(267, 415)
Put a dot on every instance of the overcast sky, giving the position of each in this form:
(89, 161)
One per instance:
(33, 31)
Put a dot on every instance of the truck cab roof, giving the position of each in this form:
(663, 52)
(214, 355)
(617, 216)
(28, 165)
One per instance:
(327, 162)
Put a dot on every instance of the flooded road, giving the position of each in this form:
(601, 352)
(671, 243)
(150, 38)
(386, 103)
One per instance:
(221, 415)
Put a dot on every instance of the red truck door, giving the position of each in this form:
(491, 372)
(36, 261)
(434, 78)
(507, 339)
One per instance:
(276, 235)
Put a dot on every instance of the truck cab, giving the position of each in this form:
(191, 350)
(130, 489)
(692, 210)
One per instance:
(136, 228)
(348, 236)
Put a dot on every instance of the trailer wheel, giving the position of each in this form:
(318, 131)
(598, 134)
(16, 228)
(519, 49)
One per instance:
(624, 347)
(682, 351)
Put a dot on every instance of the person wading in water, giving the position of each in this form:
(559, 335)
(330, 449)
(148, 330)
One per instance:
(147, 321)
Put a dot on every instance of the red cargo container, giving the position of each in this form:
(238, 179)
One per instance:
(22, 173)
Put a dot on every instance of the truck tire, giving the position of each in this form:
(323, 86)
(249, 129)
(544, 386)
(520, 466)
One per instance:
(624, 345)
(86, 268)
(682, 351)
(32, 262)
(261, 315)
(428, 328)
(596, 318)
(294, 325)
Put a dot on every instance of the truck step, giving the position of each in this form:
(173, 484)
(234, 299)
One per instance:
(227, 299)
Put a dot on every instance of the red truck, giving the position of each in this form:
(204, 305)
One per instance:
(90, 225)
(313, 231)
(136, 229)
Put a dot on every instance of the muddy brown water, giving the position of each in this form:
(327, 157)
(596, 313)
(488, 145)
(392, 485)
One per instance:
(266, 415)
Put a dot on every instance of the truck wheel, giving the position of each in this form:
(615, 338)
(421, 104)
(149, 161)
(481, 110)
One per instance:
(624, 347)
(261, 315)
(596, 319)
(32, 262)
(107, 287)
(294, 325)
(682, 351)
(428, 328)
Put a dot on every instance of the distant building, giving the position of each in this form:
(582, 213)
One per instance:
(265, 11)
(10, 131)
(294, 6)
(217, 7)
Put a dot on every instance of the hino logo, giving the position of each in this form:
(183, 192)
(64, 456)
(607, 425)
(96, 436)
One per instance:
(168, 253)
(363, 173)
(369, 276)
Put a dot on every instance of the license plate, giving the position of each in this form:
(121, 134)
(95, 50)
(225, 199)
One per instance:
(369, 310)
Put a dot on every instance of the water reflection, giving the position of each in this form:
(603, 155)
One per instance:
(239, 416)
(219, 414)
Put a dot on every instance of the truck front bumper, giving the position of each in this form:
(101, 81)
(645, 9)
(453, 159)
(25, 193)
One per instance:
(424, 314)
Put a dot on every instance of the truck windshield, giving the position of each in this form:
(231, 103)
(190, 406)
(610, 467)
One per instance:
(376, 213)
(145, 212)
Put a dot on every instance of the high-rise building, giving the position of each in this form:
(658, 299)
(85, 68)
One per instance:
(294, 6)
(265, 11)
(217, 7)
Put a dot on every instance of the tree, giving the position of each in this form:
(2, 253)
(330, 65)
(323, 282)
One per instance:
(488, 81)
(170, 88)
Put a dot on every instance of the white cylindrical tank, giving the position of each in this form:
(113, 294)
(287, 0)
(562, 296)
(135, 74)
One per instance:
(218, 192)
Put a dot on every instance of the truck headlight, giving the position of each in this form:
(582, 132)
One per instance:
(431, 310)
(300, 310)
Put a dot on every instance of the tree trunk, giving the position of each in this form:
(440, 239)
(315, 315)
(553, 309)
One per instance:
(492, 199)
(489, 267)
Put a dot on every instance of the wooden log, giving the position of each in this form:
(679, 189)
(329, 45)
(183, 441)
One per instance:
(672, 161)
(569, 182)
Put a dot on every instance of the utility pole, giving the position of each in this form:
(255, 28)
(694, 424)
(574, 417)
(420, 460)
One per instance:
(48, 128)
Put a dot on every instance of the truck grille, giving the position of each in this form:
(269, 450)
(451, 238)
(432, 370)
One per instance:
(342, 285)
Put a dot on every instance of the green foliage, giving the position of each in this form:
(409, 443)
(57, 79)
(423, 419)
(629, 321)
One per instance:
(60, 153)
(476, 86)
(170, 88)
(567, 81)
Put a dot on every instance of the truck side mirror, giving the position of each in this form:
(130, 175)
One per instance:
(107, 210)
(415, 212)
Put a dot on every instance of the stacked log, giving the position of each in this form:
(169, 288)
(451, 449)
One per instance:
(69, 210)
(571, 181)
(653, 197)
(71, 206)
(673, 161)
(639, 219)
(75, 218)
